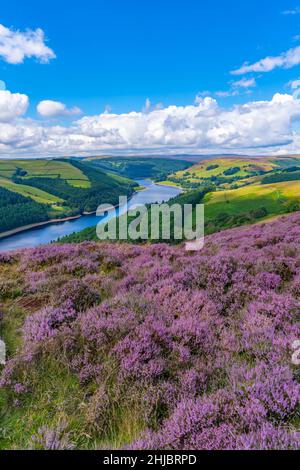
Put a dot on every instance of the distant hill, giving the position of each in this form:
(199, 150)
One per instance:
(140, 167)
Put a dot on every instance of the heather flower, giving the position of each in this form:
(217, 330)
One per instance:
(269, 437)
(52, 439)
(197, 344)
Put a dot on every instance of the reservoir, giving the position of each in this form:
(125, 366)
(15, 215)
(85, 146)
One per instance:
(153, 193)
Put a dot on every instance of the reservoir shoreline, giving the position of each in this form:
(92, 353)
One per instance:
(48, 231)
(25, 228)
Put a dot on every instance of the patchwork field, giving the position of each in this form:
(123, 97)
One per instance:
(219, 167)
(45, 169)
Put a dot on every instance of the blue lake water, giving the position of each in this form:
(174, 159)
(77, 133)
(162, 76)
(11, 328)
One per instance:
(48, 233)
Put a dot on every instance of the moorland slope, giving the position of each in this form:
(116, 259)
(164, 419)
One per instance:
(113, 346)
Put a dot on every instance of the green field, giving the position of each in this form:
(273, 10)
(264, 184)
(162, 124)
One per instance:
(249, 204)
(230, 172)
(271, 196)
(45, 169)
(28, 191)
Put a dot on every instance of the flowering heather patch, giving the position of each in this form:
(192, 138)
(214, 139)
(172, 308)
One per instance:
(51, 439)
(170, 349)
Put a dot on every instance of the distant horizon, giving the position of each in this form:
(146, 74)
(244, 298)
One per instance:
(191, 157)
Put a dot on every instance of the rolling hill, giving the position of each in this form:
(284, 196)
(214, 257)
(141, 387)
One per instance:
(229, 172)
(274, 197)
(140, 167)
(58, 188)
(44, 169)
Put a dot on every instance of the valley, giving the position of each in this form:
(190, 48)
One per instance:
(235, 191)
(54, 189)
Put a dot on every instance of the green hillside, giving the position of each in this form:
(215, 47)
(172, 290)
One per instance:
(229, 208)
(28, 191)
(17, 210)
(44, 169)
(230, 172)
(54, 189)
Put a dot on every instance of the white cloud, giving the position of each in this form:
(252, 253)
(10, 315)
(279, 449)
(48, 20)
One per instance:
(244, 83)
(202, 94)
(292, 11)
(285, 60)
(294, 84)
(226, 93)
(12, 105)
(257, 126)
(236, 88)
(2, 85)
(52, 109)
(15, 46)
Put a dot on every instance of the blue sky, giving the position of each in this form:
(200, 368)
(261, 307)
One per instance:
(114, 55)
(121, 52)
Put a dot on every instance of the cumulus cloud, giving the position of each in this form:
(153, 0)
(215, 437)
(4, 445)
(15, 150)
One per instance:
(256, 126)
(285, 60)
(53, 109)
(15, 46)
(12, 105)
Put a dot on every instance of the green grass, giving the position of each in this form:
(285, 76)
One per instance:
(28, 191)
(274, 197)
(247, 167)
(217, 171)
(169, 183)
(56, 396)
(62, 187)
(46, 168)
(118, 178)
